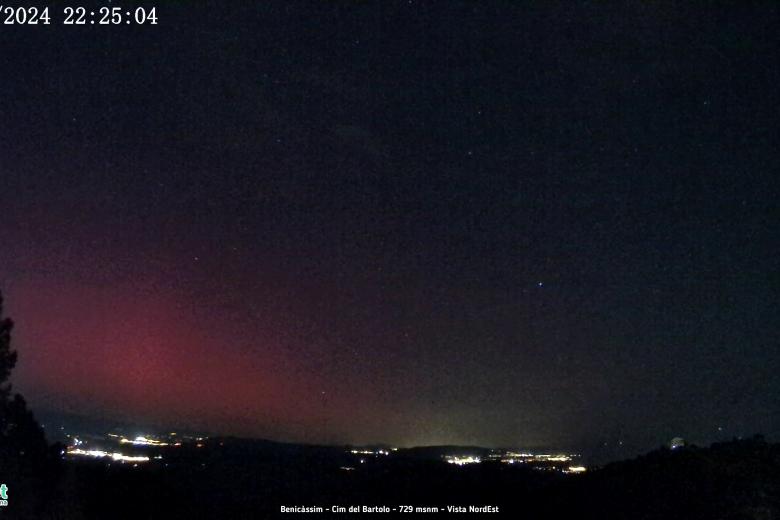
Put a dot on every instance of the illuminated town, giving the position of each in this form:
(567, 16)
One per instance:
(114, 447)
(555, 461)
(541, 461)
(150, 448)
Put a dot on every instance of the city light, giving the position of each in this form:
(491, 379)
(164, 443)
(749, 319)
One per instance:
(462, 461)
(369, 452)
(142, 441)
(114, 456)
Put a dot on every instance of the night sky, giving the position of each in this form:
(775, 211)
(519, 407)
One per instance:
(403, 222)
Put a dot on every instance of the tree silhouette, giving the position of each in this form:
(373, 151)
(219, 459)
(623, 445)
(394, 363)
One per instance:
(7, 356)
(30, 468)
(24, 453)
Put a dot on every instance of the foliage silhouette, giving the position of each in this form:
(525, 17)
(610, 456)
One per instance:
(28, 465)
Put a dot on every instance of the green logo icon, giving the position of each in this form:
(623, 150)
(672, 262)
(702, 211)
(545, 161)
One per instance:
(3, 491)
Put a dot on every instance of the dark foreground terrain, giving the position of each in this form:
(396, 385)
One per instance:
(252, 479)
